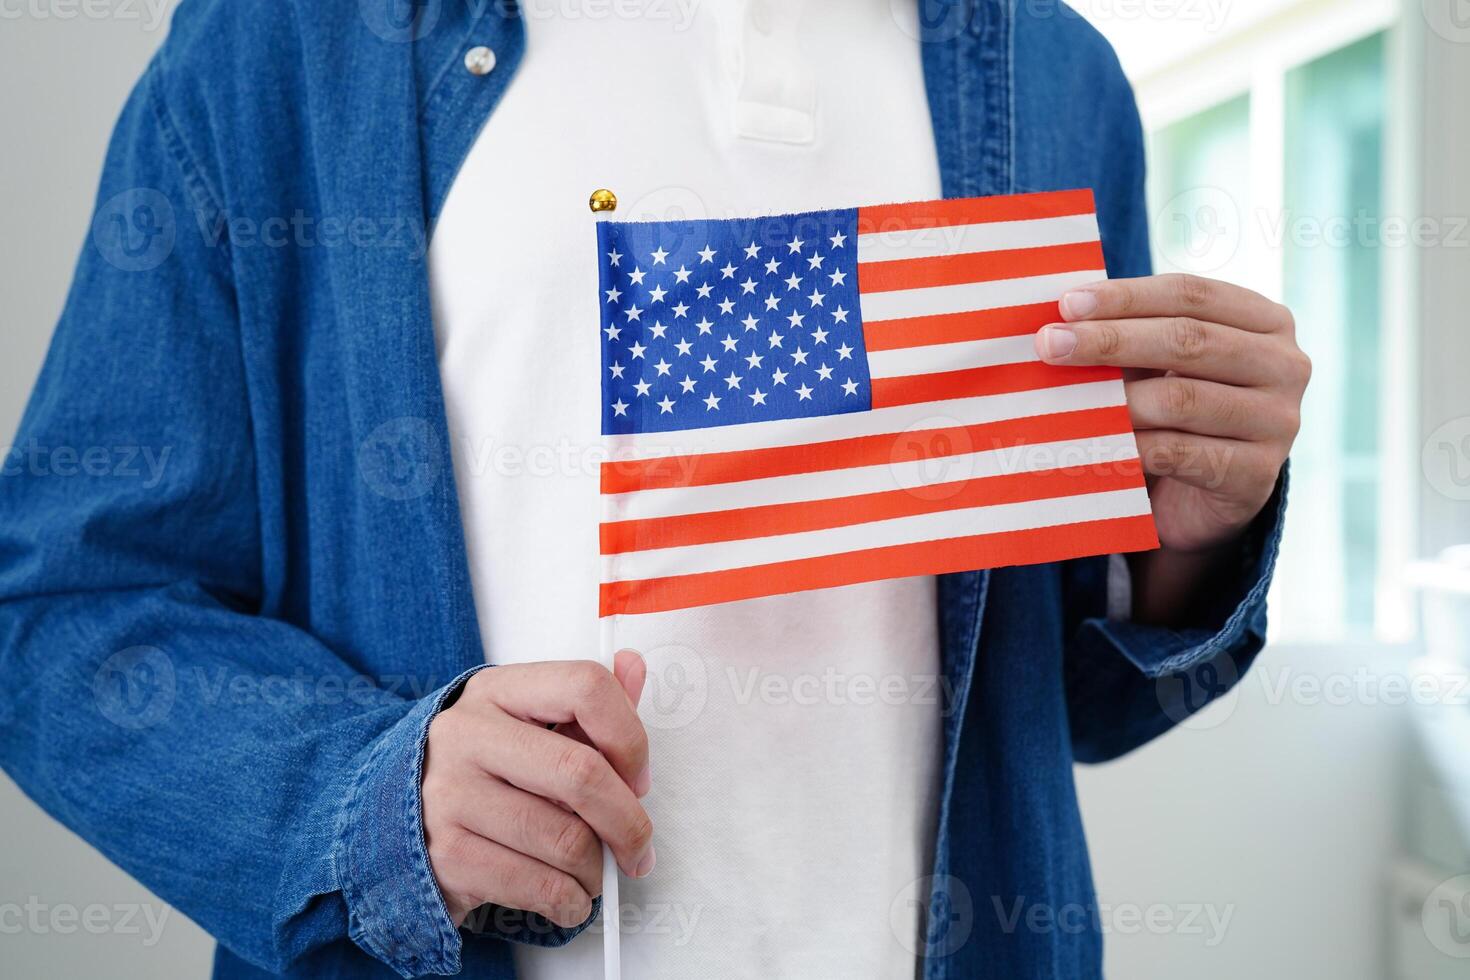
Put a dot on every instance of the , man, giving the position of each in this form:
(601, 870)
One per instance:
(351, 517)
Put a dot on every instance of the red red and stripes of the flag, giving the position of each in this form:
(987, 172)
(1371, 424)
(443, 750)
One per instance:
(975, 454)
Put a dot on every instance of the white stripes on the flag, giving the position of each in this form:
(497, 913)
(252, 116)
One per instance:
(963, 298)
(932, 358)
(902, 474)
(746, 552)
(922, 243)
(880, 421)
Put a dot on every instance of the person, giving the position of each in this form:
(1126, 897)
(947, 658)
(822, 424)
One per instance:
(342, 272)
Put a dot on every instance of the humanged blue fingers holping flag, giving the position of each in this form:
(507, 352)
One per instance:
(814, 400)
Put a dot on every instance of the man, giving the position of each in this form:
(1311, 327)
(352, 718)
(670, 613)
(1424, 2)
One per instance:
(256, 685)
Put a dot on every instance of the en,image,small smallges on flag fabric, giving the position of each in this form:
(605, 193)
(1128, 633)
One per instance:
(807, 401)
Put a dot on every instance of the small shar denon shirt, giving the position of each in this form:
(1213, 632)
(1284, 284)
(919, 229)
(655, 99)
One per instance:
(795, 740)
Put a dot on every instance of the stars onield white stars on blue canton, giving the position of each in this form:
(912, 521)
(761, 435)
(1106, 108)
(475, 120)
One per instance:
(723, 322)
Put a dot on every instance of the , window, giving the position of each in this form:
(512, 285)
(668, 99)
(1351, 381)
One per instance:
(1275, 172)
(1333, 279)
(1199, 191)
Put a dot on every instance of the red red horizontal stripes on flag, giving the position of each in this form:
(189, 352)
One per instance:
(816, 515)
(973, 211)
(1044, 544)
(707, 469)
(954, 270)
(993, 379)
(952, 328)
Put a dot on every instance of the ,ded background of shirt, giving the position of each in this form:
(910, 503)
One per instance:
(794, 739)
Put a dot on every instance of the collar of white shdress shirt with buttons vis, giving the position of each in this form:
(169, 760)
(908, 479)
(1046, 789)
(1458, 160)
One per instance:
(774, 89)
